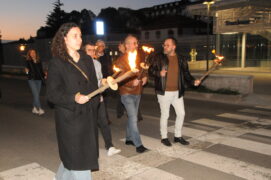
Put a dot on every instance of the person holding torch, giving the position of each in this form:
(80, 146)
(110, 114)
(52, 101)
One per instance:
(130, 91)
(170, 73)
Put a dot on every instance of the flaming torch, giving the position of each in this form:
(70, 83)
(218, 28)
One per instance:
(113, 83)
(144, 65)
(116, 70)
(217, 62)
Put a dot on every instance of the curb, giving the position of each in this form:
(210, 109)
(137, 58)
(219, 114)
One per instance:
(247, 100)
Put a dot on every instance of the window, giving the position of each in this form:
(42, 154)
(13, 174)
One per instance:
(158, 34)
(147, 35)
(170, 33)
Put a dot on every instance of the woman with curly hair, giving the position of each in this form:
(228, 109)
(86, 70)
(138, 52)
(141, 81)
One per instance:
(35, 75)
(72, 71)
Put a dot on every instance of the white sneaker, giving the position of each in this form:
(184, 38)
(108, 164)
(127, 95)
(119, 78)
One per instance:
(35, 110)
(41, 111)
(111, 151)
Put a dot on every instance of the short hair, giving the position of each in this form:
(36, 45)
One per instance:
(88, 43)
(130, 36)
(100, 41)
(174, 40)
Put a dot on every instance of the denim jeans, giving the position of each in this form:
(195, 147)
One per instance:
(65, 174)
(131, 103)
(35, 86)
(171, 97)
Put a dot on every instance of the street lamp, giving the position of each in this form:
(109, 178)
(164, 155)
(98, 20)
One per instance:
(208, 4)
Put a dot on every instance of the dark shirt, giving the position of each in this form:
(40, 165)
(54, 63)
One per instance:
(35, 70)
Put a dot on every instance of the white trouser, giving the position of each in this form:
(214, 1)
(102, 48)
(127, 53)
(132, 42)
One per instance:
(171, 97)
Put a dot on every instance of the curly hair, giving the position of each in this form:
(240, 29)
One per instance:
(28, 56)
(59, 48)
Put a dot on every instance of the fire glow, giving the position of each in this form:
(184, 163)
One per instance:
(147, 49)
(132, 59)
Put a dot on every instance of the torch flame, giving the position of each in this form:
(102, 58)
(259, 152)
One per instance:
(218, 59)
(147, 49)
(132, 59)
(116, 69)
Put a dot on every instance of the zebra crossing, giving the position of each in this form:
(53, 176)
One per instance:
(236, 146)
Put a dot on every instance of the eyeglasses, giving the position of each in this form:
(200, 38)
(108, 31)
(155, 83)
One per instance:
(165, 45)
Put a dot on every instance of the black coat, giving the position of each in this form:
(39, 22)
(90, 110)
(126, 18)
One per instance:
(76, 124)
(158, 62)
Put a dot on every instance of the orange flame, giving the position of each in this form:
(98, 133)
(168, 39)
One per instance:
(132, 59)
(147, 49)
(218, 59)
(116, 69)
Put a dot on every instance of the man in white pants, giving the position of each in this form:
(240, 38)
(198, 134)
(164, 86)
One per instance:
(170, 73)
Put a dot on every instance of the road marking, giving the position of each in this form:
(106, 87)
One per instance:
(238, 116)
(215, 123)
(32, 171)
(187, 131)
(256, 111)
(264, 132)
(264, 107)
(229, 166)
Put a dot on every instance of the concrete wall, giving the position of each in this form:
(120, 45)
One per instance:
(241, 83)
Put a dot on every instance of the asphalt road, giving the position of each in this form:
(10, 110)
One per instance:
(227, 141)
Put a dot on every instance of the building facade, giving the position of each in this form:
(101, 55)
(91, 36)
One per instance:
(242, 29)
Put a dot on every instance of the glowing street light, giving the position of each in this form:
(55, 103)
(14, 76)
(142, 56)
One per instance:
(99, 27)
(22, 47)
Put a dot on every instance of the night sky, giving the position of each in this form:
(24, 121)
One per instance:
(22, 18)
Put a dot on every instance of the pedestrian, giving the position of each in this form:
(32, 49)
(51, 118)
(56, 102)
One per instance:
(71, 74)
(102, 119)
(35, 76)
(130, 91)
(104, 58)
(170, 72)
(120, 108)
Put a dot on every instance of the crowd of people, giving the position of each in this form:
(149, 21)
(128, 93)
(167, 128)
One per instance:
(76, 70)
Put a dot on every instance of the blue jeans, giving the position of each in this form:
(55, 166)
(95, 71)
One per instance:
(65, 174)
(131, 103)
(35, 86)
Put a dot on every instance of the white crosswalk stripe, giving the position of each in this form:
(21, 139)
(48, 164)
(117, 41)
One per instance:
(211, 122)
(146, 165)
(230, 166)
(32, 171)
(255, 111)
(264, 107)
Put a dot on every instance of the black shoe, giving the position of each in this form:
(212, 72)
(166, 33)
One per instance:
(166, 142)
(141, 149)
(129, 143)
(181, 140)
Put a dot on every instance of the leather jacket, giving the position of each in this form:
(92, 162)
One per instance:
(126, 86)
(160, 61)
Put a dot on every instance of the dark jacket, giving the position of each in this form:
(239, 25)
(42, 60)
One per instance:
(35, 70)
(126, 86)
(106, 63)
(158, 62)
(76, 124)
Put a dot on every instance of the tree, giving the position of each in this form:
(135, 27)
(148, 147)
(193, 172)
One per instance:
(55, 19)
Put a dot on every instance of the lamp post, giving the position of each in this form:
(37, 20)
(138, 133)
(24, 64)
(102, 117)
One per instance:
(208, 4)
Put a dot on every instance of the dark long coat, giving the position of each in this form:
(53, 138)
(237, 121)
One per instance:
(76, 124)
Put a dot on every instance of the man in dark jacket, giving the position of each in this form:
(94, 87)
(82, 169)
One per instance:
(170, 73)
